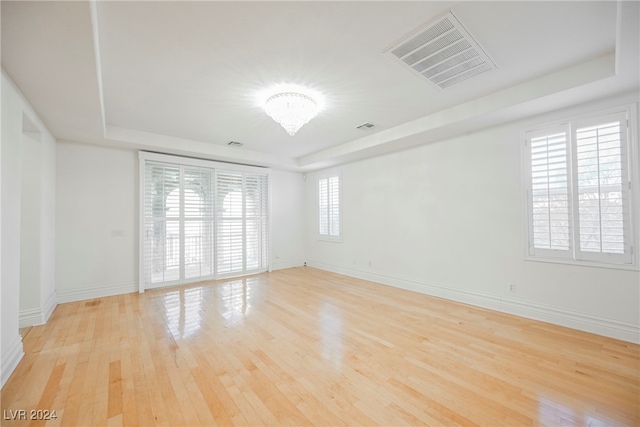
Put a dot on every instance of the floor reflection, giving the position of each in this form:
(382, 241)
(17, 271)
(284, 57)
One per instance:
(183, 311)
(237, 297)
(331, 334)
(551, 412)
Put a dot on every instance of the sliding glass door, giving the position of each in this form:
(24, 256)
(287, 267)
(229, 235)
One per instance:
(200, 221)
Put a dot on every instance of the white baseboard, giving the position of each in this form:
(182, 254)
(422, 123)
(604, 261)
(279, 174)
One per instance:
(281, 265)
(71, 295)
(31, 317)
(10, 359)
(48, 307)
(624, 331)
(37, 316)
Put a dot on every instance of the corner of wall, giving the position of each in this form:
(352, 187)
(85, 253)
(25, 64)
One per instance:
(287, 264)
(15, 110)
(40, 315)
(48, 307)
(10, 359)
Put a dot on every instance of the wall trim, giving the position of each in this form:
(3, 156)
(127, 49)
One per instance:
(49, 305)
(30, 317)
(37, 316)
(96, 291)
(611, 328)
(10, 359)
(281, 265)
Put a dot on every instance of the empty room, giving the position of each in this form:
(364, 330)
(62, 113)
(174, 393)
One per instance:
(320, 213)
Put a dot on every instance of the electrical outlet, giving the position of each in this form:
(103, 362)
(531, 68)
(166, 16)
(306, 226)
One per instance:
(512, 287)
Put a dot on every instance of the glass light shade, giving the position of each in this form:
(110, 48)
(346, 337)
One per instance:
(291, 109)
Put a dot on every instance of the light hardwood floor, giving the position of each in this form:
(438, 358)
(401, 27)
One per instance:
(307, 347)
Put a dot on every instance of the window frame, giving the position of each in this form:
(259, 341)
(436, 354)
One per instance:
(574, 255)
(327, 176)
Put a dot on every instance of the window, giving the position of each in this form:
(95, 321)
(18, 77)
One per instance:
(579, 205)
(329, 224)
(201, 220)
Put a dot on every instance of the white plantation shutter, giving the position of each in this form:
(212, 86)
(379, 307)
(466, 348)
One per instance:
(550, 226)
(329, 215)
(578, 190)
(161, 224)
(230, 224)
(334, 206)
(201, 222)
(242, 223)
(199, 216)
(602, 195)
(323, 206)
(257, 239)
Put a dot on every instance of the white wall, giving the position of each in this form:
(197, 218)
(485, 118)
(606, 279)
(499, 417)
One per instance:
(96, 221)
(30, 224)
(3, 345)
(287, 223)
(18, 120)
(446, 219)
(48, 189)
(37, 225)
(11, 345)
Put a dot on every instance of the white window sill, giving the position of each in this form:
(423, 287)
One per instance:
(631, 267)
(334, 239)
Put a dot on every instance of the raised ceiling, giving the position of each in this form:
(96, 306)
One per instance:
(182, 77)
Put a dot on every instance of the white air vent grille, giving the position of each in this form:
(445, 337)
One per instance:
(443, 52)
(365, 126)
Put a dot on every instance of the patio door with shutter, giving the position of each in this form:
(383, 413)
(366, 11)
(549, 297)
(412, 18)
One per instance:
(201, 220)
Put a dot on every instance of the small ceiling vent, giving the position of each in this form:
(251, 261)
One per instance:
(365, 126)
(443, 52)
(235, 144)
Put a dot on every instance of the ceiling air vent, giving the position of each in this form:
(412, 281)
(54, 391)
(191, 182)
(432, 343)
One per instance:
(234, 144)
(443, 52)
(365, 126)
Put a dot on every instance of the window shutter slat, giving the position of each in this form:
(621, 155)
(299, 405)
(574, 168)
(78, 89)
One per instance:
(550, 222)
(323, 207)
(243, 226)
(329, 215)
(198, 223)
(161, 244)
(602, 194)
(230, 230)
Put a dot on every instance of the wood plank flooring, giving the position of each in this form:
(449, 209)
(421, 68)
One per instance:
(307, 347)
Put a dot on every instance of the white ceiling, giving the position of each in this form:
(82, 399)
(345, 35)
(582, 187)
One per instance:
(182, 77)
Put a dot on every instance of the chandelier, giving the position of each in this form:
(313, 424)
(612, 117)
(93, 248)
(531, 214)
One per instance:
(291, 109)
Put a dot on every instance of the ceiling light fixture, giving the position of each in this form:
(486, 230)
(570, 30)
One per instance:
(291, 109)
